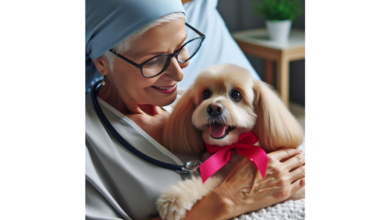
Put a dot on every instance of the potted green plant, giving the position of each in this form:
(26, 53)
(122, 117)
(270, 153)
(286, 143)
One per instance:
(278, 16)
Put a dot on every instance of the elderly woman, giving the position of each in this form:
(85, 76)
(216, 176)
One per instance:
(139, 48)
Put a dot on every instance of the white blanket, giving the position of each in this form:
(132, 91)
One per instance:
(289, 210)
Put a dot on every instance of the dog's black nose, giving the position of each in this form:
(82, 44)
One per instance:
(215, 109)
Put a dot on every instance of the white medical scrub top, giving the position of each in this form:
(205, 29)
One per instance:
(120, 185)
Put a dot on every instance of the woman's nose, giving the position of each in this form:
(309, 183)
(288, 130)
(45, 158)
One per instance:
(174, 70)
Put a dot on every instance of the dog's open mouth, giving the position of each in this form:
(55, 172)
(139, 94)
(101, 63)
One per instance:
(219, 131)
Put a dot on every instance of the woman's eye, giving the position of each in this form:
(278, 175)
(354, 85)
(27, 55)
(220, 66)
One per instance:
(206, 94)
(152, 62)
(235, 95)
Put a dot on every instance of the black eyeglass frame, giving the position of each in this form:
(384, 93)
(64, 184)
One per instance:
(174, 54)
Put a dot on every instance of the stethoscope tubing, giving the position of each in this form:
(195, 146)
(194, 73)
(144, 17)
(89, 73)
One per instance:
(121, 140)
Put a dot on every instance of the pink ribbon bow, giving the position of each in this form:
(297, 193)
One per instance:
(244, 146)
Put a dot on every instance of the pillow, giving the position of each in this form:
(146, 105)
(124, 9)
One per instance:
(218, 47)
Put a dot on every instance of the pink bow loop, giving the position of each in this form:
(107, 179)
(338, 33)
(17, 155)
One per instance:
(244, 146)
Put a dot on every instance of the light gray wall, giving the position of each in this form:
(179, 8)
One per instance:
(238, 15)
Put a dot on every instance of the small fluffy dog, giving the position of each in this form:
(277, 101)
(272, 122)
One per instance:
(224, 102)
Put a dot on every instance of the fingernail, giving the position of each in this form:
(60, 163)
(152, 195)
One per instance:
(300, 150)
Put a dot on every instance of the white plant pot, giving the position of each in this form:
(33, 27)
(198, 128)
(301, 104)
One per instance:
(278, 30)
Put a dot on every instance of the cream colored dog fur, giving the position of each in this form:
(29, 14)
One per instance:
(224, 100)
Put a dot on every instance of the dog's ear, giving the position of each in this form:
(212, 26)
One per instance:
(180, 135)
(275, 126)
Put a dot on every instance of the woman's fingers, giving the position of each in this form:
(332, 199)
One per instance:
(295, 186)
(284, 153)
(297, 174)
(294, 162)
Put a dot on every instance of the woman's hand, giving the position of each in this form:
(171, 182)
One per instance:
(245, 190)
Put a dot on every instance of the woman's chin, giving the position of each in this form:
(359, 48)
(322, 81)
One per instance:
(166, 100)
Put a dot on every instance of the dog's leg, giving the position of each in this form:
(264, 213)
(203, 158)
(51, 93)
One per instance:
(173, 204)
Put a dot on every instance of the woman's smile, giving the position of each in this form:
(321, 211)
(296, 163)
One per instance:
(165, 89)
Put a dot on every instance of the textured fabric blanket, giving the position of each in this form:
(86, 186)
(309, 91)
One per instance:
(288, 210)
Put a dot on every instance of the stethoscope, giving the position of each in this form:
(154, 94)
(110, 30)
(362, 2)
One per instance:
(189, 169)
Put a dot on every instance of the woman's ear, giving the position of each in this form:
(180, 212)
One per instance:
(101, 64)
(180, 135)
(275, 127)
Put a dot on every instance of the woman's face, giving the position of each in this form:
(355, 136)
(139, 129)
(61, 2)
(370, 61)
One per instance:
(128, 80)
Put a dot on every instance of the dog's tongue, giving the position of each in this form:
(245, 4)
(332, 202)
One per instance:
(218, 131)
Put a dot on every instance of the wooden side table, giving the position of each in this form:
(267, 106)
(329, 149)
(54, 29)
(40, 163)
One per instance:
(256, 42)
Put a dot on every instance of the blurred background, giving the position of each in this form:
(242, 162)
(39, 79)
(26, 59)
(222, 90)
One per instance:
(239, 15)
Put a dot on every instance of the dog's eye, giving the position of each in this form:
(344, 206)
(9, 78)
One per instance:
(206, 94)
(235, 95)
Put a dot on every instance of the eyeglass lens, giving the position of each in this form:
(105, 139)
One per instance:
(157, 64)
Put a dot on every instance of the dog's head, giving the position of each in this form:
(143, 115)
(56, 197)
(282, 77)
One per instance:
(224, 102)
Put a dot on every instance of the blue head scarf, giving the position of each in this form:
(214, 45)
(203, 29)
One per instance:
(108, 22)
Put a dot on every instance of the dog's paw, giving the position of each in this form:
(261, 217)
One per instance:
(173, 204)
(170, 207)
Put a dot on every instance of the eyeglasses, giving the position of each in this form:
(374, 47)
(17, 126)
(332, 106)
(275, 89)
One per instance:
(158, 64)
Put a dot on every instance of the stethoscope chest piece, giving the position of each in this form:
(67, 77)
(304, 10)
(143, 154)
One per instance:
(190, 169)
